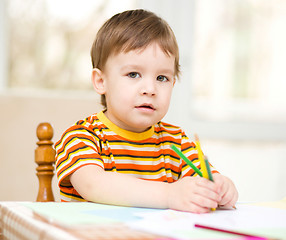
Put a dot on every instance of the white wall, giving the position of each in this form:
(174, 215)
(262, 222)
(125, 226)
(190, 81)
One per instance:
(256, 167)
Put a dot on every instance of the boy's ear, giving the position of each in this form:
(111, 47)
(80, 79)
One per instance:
(98, 81)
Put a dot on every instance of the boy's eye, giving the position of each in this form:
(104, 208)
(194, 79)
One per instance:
(162, 78)
(133, 75)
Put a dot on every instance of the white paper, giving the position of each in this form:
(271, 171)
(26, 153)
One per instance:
(181, 224)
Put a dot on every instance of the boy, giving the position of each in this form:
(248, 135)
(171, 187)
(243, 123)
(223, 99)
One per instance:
(109, 156)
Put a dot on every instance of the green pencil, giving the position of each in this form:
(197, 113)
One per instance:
(209, 169)
(186, 160)
(209, 173)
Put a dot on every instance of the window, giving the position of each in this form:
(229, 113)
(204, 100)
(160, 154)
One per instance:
(239, 54)
(50, 41)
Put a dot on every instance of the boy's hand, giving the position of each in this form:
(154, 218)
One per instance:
(227, 190)
(194, 194)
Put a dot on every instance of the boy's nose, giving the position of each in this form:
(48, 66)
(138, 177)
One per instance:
(148, 87)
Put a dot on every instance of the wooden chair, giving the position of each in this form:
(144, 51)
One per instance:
(45, 158)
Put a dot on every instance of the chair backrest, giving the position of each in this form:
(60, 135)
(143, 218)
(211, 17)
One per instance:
(45, 158)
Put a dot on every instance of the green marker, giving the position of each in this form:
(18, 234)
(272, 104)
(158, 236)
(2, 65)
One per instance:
(181, 155)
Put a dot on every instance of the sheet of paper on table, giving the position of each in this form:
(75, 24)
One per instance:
(257, 220)
(254, 220)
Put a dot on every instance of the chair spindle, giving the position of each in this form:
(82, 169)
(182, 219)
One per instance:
(45, 158)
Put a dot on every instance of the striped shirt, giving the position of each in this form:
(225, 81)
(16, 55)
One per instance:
(147, 155)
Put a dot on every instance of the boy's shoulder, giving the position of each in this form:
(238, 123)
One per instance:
(168, 127)
(83, 126)
(88, 121)
(92, 124)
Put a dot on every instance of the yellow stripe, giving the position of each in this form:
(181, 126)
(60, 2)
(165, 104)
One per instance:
(75, 138)
(143, 173)
(84, 160)
(67, 197)
(124, 133)
(163, 133)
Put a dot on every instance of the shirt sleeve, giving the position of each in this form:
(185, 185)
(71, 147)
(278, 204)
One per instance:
(78, 147)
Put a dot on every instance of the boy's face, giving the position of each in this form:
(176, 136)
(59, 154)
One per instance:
(138, 87)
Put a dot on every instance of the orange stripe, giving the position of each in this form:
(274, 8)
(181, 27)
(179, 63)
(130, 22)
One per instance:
(74, 161)
(64, 155)
(75, 135)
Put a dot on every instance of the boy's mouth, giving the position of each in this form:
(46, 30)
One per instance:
(146, 106)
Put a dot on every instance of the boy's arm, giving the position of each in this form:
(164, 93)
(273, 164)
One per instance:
(96, 185)
(192, 194)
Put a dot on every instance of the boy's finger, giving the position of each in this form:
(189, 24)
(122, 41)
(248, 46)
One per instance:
(208, 193)
(205, 183)
(204, 202)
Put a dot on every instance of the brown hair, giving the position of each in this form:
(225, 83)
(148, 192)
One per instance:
(132, 30)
